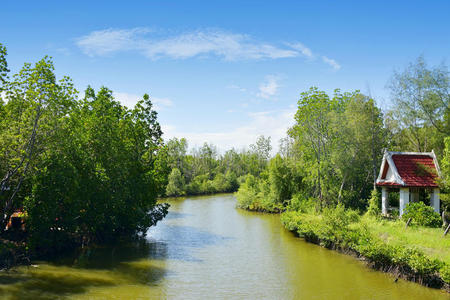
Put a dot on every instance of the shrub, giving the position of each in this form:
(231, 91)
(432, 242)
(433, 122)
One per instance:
(175, 183)
(422, 215)
(247, 193)
(256, 194)
(301, 204)
(374, 204)
(445, 273)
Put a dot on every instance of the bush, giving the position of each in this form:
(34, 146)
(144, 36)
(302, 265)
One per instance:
(255, 194)
(445, 273)
(374, 204)
(175, 183)
(247, 193)
(301, 204)
(422, 215)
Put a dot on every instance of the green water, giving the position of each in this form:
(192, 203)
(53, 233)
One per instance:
(205, 249)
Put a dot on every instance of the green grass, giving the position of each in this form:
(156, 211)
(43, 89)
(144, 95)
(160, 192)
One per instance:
(428, 240)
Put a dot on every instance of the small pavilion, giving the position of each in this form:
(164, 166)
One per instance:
(410, 172)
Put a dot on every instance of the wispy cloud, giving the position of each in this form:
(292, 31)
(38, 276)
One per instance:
(269, 87)
(103, 42)
(229, 46)
(130, 100)
(331, 62)
(268, 123)
(201, 43)
(303, 49)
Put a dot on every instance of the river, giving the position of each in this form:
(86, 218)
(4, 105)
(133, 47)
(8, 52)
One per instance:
(206, 248)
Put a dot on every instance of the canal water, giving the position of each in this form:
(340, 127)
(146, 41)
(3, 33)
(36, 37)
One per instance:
(208, 249)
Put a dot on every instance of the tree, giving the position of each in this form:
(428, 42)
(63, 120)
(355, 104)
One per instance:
(283, 178)
(177, 150)
(313, 136)
(422, 98)
(445, 172)
(358, 131)
(97, 179)
(175, 185)
(337, 143)
(37, 106)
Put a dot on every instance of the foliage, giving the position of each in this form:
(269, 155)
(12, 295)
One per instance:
(175, 183)
(301, 204)
(422, 215)
(421, 96)
(204, 171)
(374, 204)
(82, 169)
(3, 65)
(255, 194)
(338, 228)
(338, 143)
(445, 172)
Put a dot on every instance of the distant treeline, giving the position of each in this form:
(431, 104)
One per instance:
(205, 171)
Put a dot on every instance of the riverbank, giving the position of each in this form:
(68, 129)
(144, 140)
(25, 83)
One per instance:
(206, 248)
(196, 196)
(376, 243)
(13, 254)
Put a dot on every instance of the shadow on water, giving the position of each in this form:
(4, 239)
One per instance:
(47, 284)
(76, 273)
(138, 262)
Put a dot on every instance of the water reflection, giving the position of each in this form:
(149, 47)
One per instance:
(205, 249)
(183, 240)
(176, 215)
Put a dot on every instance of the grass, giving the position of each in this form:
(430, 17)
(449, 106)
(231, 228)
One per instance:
(428, 240)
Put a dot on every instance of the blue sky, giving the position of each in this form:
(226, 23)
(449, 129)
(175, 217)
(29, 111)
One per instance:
(225, 72)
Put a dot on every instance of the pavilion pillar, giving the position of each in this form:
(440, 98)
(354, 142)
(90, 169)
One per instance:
(404, 199)
(435, 200)
(384, 200)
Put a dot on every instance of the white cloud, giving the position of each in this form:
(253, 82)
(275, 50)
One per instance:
(226, 45)
(130, 100)
(303, 49)
(229, 46)
(270, 123)
(107, 41)
(331, 62)
(269, 87)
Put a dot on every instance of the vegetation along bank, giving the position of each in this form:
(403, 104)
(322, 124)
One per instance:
(323, 179)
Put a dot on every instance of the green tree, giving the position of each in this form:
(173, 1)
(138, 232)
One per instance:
(422, 98)
(37, 107)
(175, 185)
(358, 143)
(445, 172)
(312, 133)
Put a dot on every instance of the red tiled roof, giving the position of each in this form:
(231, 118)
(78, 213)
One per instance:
(416, 170)
(386, 183)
